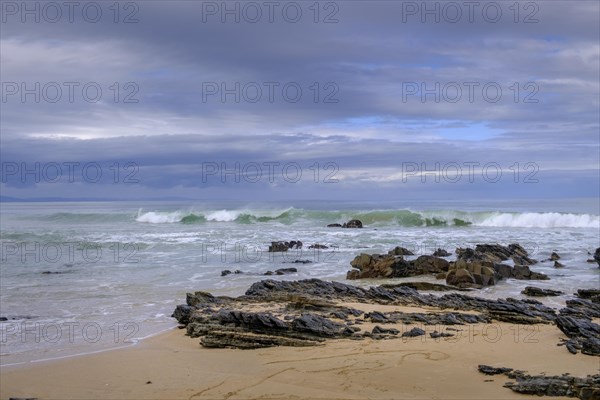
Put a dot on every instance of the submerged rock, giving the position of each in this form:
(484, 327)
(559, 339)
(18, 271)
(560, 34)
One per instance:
(353, 223)
(537, 292)
(284, 246)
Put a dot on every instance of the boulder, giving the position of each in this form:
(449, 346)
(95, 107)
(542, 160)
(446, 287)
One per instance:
(460, 277)
(430, 264)
(353, 223)
(597, 256)
(334, 225)
(558, 265)
(441, 253)
(400, 251)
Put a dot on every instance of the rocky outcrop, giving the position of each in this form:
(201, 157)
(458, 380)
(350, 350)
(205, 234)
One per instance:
(473, 268)
(597, 256)
(284, 246)
(496, 253)
(478, 273)
(587, 388)
(307, 312)
(318, 246)
(391, 266)
(538, 292)
(583, 334)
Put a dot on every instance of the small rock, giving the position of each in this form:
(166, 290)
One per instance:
(486, 369)
(414, 332)
(441, 253)
(558, 265)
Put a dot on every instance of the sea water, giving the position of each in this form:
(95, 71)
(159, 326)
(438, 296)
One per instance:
(83, 277)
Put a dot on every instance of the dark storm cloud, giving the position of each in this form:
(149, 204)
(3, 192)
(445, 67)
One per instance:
(369, 59)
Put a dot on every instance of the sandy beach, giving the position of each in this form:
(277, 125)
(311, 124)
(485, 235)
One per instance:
(174, 366)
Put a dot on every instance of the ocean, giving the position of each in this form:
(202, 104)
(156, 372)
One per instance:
(85, 277)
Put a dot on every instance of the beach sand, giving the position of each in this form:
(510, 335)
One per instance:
(174, 366)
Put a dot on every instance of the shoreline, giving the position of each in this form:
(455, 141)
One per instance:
(413, 368)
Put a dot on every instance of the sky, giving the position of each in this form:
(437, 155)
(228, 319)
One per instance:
(284, 100)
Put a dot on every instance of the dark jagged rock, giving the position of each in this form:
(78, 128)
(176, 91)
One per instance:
(426, 318)
(377, 330)
(486, 369)
(583, 333)
(226, 272)
(558, 265)
(436, 334)
(441, 253)
(248, 341)
(414, 332)
(284, 246)
(554, 256)
(582, 308)
(592, 294)
(281, 271)
(597, 256)
(496, 253)
(320, 326)
(334, 225)
(400, 251)
(182, 313)
(510, 310)
(353, 223)
(317, 246)
(424, 286)
(300, 313)
(538, 292)
(301, 262)
(587, 388)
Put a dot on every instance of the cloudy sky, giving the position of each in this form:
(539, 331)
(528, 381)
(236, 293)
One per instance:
(300, 100)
